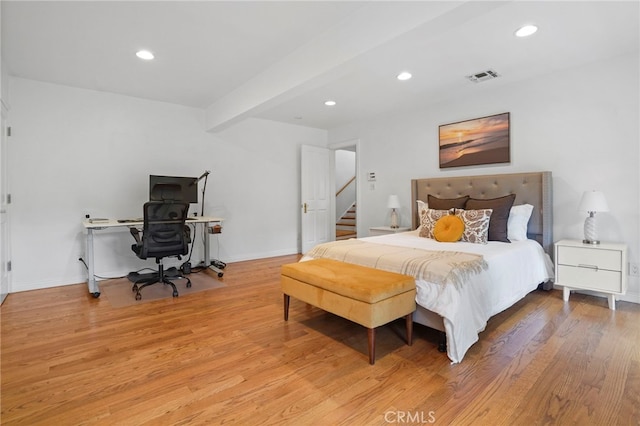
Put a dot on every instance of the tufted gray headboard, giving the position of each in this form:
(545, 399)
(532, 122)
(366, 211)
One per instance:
(530, 188)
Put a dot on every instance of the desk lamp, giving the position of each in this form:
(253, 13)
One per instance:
(393, 203)
(592, 202)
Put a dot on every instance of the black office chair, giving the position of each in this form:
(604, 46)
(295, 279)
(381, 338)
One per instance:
(164, 234)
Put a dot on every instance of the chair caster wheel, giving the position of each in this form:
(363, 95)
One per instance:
(220, 274)
(175, 294)
(188, 284)
(135, 287)
(95, 294)
(138, 296)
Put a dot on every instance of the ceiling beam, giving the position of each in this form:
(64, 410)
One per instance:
(320, 60)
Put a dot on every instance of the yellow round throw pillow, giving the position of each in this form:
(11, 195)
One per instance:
(448, 229)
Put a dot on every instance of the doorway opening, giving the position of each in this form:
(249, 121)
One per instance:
(346, 187)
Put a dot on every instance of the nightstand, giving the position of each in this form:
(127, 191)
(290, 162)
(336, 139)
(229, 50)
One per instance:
(383, 230)
(599, 267)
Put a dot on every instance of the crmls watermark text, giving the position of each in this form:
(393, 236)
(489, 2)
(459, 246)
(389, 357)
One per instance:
(412, 417)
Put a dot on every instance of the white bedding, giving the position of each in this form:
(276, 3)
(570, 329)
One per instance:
(515, 269)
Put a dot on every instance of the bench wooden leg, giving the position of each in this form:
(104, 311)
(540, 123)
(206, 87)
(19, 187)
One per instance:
(371, 335)
(286, 307)
(409, 320)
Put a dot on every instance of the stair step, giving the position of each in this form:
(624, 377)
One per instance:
(345, 235)
(346, 225)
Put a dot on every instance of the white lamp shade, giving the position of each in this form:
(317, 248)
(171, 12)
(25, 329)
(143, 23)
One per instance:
(394, 202)
(593, 201)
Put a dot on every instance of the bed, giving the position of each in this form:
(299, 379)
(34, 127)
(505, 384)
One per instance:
(510, 270)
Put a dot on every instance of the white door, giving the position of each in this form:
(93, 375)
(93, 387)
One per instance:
(4, 213)
(316, 196)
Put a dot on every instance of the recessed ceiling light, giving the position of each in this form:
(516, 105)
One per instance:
(145, 54)
(404, 76)
(329, 103)
(526, 31)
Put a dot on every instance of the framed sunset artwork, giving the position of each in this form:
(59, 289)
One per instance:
(484, 140)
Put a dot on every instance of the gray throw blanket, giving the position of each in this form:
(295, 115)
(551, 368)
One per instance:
(438, 267)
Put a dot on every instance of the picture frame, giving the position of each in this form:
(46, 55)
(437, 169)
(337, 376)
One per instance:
(484, 140)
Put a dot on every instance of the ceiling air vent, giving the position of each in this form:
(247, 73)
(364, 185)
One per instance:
(483, 76)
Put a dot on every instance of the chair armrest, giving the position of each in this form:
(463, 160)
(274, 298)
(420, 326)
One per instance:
(136, 234)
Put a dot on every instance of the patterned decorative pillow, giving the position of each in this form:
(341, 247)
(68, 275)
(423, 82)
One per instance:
(476, 225)
(428, 219)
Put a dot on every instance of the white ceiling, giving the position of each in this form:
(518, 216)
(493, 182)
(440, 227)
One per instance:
(282, 60)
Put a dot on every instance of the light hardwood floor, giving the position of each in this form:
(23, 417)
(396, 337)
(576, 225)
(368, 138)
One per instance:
(227, 356)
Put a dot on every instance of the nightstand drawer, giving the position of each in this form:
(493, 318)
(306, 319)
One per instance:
(600, 259)
(589, 278)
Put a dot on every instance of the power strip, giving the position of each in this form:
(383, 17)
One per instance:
(218, 264)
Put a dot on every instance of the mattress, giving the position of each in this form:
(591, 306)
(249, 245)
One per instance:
(514, 270)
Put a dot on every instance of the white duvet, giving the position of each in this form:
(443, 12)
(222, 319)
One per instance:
(515, 269)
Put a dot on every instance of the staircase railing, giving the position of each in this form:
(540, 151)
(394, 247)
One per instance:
(345, 186)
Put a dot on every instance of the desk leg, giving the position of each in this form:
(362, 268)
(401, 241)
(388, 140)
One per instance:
(91, 279)
(205, 236)
(207, 257)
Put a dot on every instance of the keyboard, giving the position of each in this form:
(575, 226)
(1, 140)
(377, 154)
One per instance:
(140, 219)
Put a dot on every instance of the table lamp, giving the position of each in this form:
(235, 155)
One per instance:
(592, 202)
(393, 204)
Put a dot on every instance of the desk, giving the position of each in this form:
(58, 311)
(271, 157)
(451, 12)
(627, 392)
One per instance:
(98, 224)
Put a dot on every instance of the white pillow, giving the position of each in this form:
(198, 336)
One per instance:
(422, 207)
(518, 220)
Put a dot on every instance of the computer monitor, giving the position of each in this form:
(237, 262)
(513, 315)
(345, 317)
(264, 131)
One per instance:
(173, 188)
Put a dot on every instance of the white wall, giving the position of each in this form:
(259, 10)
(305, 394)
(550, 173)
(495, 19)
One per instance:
(581, 124)
(258, 171)
(345, 167)
(76, 151)
(3, 66)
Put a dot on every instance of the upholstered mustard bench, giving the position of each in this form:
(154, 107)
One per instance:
(367, 296)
